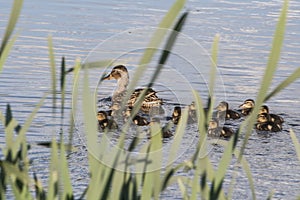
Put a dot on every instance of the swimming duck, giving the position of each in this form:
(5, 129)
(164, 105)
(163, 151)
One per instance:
(273, 117)
(264, 123)
(120, 73)
(176, 114)
(104, 122)
(225, 112)
(247, 106)
(165, 130)
(215, 130)
(137, 120)
(192, 114)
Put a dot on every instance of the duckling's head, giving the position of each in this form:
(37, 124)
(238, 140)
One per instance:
(263, 117)
(101, 115)
(177, 111)
(117, 72)
(192, 106)
(264, 109)
(223, 106)
(248, 104)
(213, 123)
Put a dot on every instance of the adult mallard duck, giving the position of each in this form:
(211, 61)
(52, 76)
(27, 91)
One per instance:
(120, 73)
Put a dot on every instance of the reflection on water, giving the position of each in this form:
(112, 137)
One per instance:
(246, 30)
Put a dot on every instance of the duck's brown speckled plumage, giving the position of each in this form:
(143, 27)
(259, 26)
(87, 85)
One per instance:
(120, 73)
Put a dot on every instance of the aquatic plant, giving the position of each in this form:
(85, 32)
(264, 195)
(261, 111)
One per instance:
(116, 180)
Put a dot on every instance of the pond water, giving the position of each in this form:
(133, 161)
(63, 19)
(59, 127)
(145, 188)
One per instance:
(246, 30)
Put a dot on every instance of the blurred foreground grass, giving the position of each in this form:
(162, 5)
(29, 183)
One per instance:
(116, 180)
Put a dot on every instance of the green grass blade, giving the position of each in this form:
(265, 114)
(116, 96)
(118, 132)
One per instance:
(64, 175)
(155, 42)
(214, 61)
(53, 174)
(14, 15)
(6, 50)
(295, 142)
(53, 70)
(293, 77)
(182, 188)
(159, 34)
(269, 72)
(30, 118)
(98, 64)
(180, 130)
(163, 58)
(76, 70)
(172, 38)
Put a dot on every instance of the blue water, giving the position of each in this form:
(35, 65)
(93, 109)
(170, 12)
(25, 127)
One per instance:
(246, 30)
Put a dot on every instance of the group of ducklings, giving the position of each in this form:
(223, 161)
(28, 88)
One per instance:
(106, 121)
(265, 120)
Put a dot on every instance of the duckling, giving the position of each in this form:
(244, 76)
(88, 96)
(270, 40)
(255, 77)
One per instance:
(165, 130)
(225, 112)
(215, 130)
(104, 122)
(120, 73)
(273, 117)
(137, 120)
(192, 115)
(264, 123)
(247, 106)
(176, 114)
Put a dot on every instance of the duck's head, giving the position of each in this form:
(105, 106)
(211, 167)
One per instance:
(263, 117)
(117, 73)
(264, 109)
(192, 106)
(223, 106)
(177, 111)
(101, 115)
(248, 104)
(213, 123)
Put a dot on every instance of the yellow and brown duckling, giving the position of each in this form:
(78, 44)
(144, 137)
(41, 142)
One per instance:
(165, 130)
(215, 130)
(176, 114)
(273, 117)
(264, 123)
(104, 122)
(225, 112)
(192, 114)
(137, 119)
(247, 107)
(120, 73)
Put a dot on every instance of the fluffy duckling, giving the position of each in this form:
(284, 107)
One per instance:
(176, 114)
(137, 120)
(192, 113)
(273, 117)
(215, 130)
(247, 106)
(264, 123)
(104, 122)
(165, 130)
(120, 73)
(225, 112)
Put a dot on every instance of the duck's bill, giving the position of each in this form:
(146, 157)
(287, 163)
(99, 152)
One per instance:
(107, 77)
(243, 106)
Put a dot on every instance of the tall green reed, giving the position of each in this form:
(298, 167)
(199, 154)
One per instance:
(108, 181)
